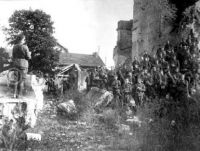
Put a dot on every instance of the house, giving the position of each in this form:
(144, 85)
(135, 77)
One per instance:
(85, 61)
(74, 67)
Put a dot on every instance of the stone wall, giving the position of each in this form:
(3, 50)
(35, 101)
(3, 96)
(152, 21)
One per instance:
(148, 31)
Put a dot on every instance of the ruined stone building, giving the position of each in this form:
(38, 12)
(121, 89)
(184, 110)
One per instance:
(147, 30)
(123, 49)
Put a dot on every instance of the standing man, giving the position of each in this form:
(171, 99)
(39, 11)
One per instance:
(88, 82)
(127, 90)
(21, 55)
(140, 90)
(116, 86)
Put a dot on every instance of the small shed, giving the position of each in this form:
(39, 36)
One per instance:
(75, 75)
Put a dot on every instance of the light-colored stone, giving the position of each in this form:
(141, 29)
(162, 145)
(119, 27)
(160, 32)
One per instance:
(34, 136)
(122, 128)
(135, 120)
(68, 107)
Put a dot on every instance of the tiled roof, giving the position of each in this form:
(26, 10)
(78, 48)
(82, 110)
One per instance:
(61, 47)
(80, 59)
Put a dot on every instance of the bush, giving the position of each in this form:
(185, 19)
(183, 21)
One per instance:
(169, 129)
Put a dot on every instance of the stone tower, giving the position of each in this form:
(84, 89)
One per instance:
(123, 50)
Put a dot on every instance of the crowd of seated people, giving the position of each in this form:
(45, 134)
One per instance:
(171, 72)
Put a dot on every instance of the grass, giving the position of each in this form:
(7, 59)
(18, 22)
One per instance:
(109, 131)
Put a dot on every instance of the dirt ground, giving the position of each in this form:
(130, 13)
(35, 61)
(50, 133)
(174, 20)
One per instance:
(87, 133)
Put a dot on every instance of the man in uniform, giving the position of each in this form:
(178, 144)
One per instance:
(88, 82)
(140, 90)
(155, 76)
(174, 64)
(167, 46)
(92, 77)
(164, 65)
(127, 89)
(116, 86)
(163, 83)
(21, 55)
(182, 97)
(135, 62)
(161, 53)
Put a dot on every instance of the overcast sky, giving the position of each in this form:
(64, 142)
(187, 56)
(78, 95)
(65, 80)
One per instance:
(80, 25)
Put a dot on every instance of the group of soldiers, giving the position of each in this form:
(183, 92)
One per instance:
(171, 72)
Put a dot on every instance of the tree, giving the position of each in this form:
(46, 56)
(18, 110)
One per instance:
(4, 58)
(38, 29)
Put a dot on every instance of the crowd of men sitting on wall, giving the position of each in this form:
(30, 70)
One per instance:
(171, 72)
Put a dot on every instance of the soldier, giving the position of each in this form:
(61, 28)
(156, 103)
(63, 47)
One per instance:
(161, 53)
(51, 85)
(146, 56)
(164, 65)
(144, 74)
(21, 55)
(158, 65)
(120, 76)
(155, 77)
(129, 76)
(140, 90)
(127, 90)
(174, 64)
(177, 76)
(116, 85)
(170, 82)
(190, 81)
(135, 62)
(88, 82)
(167, 46)
(110, 79)
(163, 83)
(153, 60)
(196, 81)
(146, 63)
(169, 54)
(185, 66)
(103, 81)
(183, 92)
(148, 81)
(92, 78)
(187, 53)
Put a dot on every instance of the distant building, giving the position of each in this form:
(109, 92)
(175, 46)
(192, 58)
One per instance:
(83, 60)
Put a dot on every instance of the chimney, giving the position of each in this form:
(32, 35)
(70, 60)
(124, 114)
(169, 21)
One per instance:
(95, 54)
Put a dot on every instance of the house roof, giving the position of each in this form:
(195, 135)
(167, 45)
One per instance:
(61, 47)
(80, 59)
(63, 70)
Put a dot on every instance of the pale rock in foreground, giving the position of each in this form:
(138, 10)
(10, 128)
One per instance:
(122, 128)
(135, 120)
(33, 136)
(68, 107)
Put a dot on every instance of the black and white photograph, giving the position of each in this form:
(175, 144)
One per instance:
(99, 75)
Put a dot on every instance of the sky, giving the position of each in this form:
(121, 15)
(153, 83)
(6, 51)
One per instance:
(82, 26)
